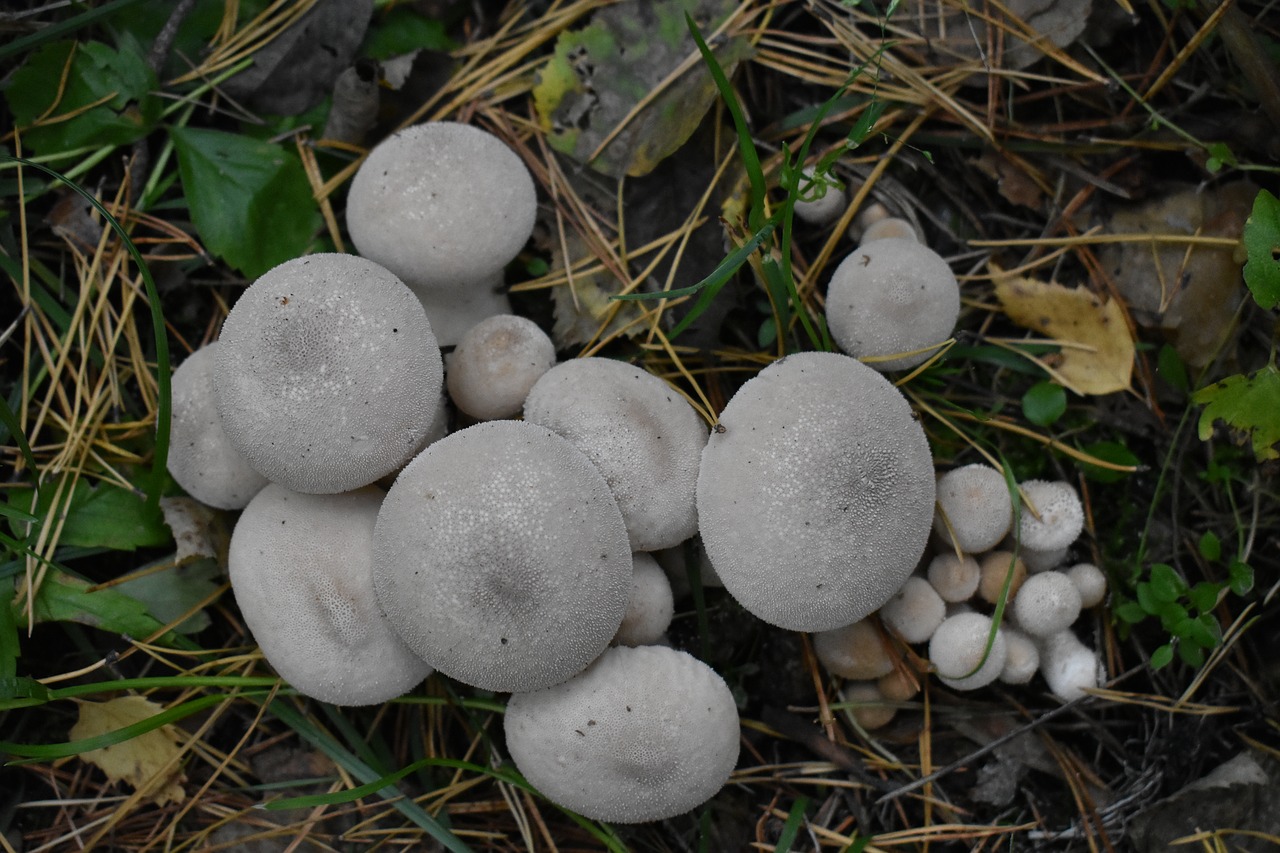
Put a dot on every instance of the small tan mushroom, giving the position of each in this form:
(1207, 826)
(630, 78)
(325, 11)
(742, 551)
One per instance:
(954, 578)
(856, 651)
(995, 567)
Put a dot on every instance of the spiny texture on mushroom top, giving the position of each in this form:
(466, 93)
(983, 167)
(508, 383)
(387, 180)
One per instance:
(816, 499)
(300, 566)
(328, 373)
(496, 363)
(892, 296)
(643, 734)
(1061, 516)
(975, 509)
(501, 557)
(644, 437)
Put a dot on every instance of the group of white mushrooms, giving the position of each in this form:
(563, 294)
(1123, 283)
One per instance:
(515, 555)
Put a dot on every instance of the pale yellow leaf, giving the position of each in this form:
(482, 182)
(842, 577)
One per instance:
(148, 762)
(1097, 347)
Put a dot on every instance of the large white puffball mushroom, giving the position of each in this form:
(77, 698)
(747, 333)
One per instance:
(651, 605)
(445, 206)
(1061, 516)
(996, 567)
(815, 494)
(501, 557)
(301, 570)
(1069, 666)
(915, 611)
(955, 578)
(974, 508)
(201, 458)
(1022, 658)
(956, 651)
(328, 374)
(496, 363)
(892, 296)
(643, 436)
(815, 209)
(856, 651)
(1046, 604)
(1090, 582)
(643, 734)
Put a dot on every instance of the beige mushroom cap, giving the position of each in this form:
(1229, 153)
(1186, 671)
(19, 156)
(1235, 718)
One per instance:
(1022, 657)
(643, 734)
(955, 578)
(1090, 582)
(496, 363)
(856, 651)
(956, 650)
(915, 611)
(996, 567)
(974, 508)
(301, 570)
(1046, 604)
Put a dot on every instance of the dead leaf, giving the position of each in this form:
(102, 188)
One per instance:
(1013, 184)
(148, 762)
(1098, 349)
(198, 531)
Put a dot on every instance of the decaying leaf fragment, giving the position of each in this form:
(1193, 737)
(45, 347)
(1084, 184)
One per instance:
(148, 762)
(1098, 348)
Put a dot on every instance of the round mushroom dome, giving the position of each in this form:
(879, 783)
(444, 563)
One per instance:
(301, 570)
(643, 734)
(501, 557)
(815, 495)
(892, 296)
(1061, 517)
(328, 373)
(496, 363)
(974, 508)
(958, 647)
(644, 437)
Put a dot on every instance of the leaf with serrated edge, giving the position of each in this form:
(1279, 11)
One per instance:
(1248, 404)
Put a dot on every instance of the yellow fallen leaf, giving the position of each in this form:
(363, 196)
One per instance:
(1097, 351)
(148, 762)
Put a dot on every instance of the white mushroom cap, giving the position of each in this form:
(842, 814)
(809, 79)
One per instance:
(496, 363)
(675, 562)
(501, 557)
(819, 211)
(892, 296)
(1090, 582)
(873, 712)
(301, 569)
(651, 605)
(1069, 666)
(856, 651)
(915, 611)
(890, 228)
(1022, 658)
(956, 650)
(995, 567)
(445, 206)
(816, 499)
(954, 578)
(1047, 604)
(643, 734)
(201, 458)
(1061, 516)
(328, 373)
(1043, 561)
(643, 436)
(974, 508)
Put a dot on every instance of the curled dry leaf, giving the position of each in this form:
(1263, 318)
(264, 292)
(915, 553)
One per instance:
(148, 762)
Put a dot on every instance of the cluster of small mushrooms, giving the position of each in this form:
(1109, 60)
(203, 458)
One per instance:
(515, 555)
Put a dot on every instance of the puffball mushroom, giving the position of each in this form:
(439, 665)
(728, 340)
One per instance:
(501, 557)
(891, 227)
(854, 651)
(870, 710)
(955, 578)
(643, 436)
(892, 296)
(328, 374)
(815, 493)
(446, 207)
(301, 570)
(1061, 516)
(1022, 658)
(915, 611)
(201, 458)
(996, 567)
(651, 605)
(1046, 604)
(496, 363)
(643, 734)
(974, 508)
(815, 209)
(1090, 582)
(1068, 665)
(957, 647)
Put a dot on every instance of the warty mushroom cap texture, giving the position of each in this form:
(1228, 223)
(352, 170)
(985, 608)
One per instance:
(201, 458)
(974, 508)
(955, 578)
(650, 606)
(301, 570)
(1061, 516)
(1046, 603)
(496, 363)
(643, 436)
(816, 500)
(643, 734)
(328, 373)
(501, 558)
(892, 296)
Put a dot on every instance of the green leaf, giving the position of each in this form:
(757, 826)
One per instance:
(1171, 368)
(1247, 403)
(1172, 615)
(1166, 584)
(170, 593)
(1262, 246)
(1240, 577)
(1191, 654)
(1147, 599)
(1130, 612)
(1044, 403)
(1210, 546)
(402, 29)
(1219, 155)
(1204, 631)
(101, 516)
(63, 598)
(1162, 657)
(1204, 596)
(768, 333)
(1108, 451)
(249, 199)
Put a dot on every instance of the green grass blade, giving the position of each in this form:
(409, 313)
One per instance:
(9, 421)
(791, 828)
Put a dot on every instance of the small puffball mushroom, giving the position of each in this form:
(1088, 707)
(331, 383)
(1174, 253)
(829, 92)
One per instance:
(870, 711)
(1090, 582)
(957, 647)
(890, 228)
(819, 210)
(954, 578)
(1047, 604)
(501, 557)
(892, 296)
(915, 611)
(643, 734)
(899, 686)
(301, 570)
(1069, 666)
(816, 491)
(974, 508)
(201, 458)
(995, 567)
(445, 206)
(496, 363)
(1061, 516)
(1043, 561)
(856, 651)
(650, 607)
(1022, 658)
(643, 436)
(328, 373)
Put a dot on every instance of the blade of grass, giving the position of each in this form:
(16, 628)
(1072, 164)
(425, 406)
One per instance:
(791, 828)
